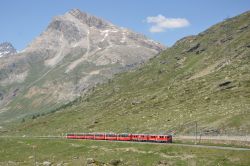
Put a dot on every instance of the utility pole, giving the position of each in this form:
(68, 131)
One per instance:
(195, 132)
(34, 153)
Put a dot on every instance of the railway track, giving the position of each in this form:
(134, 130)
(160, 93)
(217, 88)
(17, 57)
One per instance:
(164, 144)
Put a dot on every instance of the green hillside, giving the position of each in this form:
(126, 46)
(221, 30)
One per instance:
(203, 79)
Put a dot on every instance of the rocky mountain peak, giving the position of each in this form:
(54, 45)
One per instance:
(6, 48)
(99, 41)
(89, 19)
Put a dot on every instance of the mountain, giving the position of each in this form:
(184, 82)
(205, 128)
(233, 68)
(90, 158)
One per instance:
(6, 49)
(74, 53)
(202, 79)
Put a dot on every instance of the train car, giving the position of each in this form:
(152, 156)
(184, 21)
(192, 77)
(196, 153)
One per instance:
(89, 136)
(99, 136)
(152, 138)
(111, 137)
(80, 136)
(160, 138)
(124, 137)
(75, 136)
(139, 137)
(143, 137)
(134, 137)
(70, 136)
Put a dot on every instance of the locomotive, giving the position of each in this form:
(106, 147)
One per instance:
(122, 137)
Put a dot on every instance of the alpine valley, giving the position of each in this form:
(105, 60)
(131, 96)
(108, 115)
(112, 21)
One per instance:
(87, 92)
(202, 79)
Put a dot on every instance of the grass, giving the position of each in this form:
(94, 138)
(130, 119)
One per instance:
(25, 151)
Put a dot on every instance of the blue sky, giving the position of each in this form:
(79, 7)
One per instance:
(23, 20)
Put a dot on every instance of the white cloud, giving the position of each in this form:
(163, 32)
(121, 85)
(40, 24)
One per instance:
(161, 23)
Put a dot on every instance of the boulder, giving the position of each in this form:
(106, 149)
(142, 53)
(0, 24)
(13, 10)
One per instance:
(90, 160)
(193, 47)
(115, 162)
(162, 163)
(47, 163)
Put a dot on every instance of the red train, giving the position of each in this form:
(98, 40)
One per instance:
(122, 137)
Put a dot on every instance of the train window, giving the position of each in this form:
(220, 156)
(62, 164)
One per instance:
(123, 135)
(110, 135)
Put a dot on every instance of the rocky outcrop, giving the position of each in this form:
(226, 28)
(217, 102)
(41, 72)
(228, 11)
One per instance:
(6, 49)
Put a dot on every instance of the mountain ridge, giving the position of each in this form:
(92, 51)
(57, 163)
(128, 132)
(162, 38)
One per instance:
(72, 55)
(89, 19)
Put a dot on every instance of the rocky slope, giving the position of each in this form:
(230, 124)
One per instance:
(202, 79)
(72, 55)
(6, 49)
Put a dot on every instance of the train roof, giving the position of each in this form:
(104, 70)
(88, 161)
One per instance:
(122, 134)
